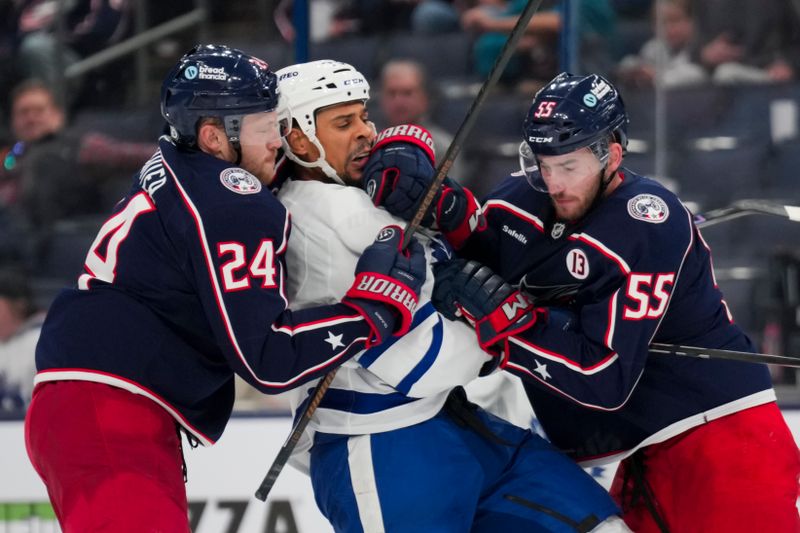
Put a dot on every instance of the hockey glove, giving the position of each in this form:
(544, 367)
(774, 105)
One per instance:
(387, 285)
(399, 169)
(494, 308)
(398, 173)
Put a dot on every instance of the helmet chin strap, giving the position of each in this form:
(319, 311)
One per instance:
(604, 183)
(321, 162)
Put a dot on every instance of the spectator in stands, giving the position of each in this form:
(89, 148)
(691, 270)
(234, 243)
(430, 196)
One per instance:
(537, 52)
(747, 42)
(88, 26)
(667, 55)
(348, 17)
(405, 98)
(47, 171)
(433, 17)
(20, 325)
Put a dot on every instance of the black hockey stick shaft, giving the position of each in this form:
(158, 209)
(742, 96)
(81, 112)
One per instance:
(714, 353)
(469, 119)
(742, 208)
(291, 442)
(735, 210)
(452, 151)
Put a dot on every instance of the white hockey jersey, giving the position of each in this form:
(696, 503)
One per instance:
(405, 380)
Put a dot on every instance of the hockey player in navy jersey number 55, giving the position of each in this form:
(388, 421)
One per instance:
(182, 288)
(600, 262)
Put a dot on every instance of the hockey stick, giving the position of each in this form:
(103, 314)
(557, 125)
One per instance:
(291, 442)
(470, 118)
(452, 151)
(747, 207)
(714, 353)
(737, 209)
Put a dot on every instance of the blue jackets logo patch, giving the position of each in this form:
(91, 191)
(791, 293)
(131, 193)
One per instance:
(240, 181)
(649, 208)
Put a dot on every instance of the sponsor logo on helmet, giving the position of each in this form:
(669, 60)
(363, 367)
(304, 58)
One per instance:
(240, 181)
(540, 139)
(385, 234)
(589, 100)
(285, 75)
(649, 208)
(212, 73)
(600, 89)
(354, 81)
(191, 72)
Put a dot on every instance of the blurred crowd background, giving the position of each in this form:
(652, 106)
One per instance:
(712, 88)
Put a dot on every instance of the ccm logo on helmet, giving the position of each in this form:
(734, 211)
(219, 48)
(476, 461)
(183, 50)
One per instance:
(354, 81)
(540, 139)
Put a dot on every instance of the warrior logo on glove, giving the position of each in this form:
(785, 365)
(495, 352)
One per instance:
(397, 176)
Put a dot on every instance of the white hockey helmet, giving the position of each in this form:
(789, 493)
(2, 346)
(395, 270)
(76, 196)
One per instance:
(307, 87)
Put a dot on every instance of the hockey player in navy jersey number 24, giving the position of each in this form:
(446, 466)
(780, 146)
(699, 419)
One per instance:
(182, 288)
(600, 262)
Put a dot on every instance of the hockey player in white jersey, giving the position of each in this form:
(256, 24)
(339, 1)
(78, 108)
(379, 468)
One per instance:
(394, 446)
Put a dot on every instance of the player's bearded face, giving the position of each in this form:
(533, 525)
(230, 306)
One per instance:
(347, 135)
(260, 140)
(573, 181)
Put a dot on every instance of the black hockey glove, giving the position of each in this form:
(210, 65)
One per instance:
(494, 308)
(399, 169)
(387, 285)
(397, 174)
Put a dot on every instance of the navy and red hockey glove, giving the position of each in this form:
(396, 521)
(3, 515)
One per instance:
(397, 175)
(493, 307)
(387, 285)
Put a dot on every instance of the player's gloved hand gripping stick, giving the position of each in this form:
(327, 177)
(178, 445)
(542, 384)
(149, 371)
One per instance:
(398, 173)
(386, 292)
(469, 290)
(452, 151)
(387, 284)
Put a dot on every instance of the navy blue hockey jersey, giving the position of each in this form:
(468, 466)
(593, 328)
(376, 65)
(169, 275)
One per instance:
(636, 270)
(184, 285)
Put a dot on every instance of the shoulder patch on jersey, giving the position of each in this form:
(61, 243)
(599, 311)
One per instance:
(240, 181)
(648, 207)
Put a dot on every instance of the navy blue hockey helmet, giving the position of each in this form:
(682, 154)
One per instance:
(572, 112)
(216, 81)
(569, 113)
